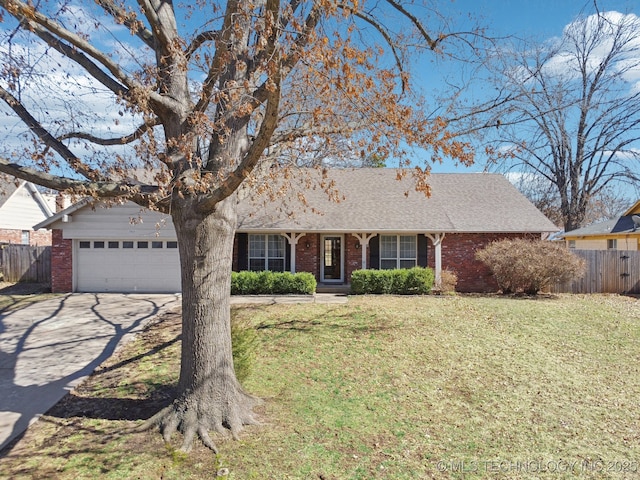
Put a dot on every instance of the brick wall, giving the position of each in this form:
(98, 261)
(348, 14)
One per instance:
(458, 255)
(10, 236)
(353, 256)
(38, 238)
(61, 263)
(308, 258)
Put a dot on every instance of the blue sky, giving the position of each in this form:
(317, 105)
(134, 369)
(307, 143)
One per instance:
(536, 19)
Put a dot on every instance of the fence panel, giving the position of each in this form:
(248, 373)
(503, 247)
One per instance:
(24, 263)
(607, 271)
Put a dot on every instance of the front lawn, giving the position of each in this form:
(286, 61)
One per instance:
(382, 387)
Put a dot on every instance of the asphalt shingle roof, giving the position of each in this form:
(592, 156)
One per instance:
(374, 200)
(623, 224)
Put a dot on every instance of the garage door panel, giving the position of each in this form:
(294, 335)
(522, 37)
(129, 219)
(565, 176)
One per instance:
(143, 270)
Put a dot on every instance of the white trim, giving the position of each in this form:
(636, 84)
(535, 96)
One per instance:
(436, 239)
(293, 238)
(364, 238)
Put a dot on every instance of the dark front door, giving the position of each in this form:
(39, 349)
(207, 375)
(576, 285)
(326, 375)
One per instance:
(332, 259)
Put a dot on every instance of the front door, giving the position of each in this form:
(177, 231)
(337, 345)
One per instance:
(332, 261)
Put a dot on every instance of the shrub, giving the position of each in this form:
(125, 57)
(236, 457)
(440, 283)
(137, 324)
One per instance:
(528, 266)
(266, 282)
(448, 282)
(413, 281)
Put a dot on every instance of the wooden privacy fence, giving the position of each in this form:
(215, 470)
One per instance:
(24, 263)
(607, 271)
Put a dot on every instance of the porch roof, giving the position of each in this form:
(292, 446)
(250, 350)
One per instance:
(374, 200)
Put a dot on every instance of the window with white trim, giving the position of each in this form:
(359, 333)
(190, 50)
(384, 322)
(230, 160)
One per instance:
(398, 251)
(612, 244)
(267, 252)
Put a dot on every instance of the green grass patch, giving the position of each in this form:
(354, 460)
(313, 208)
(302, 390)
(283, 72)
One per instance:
(384, 387)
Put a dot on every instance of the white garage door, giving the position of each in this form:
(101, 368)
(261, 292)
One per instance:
(127, 266)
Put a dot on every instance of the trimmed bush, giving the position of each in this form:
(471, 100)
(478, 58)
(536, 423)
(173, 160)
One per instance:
(528, 266)
(413, 281)
(272, 283)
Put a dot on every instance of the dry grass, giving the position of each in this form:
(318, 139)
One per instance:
(383, 387)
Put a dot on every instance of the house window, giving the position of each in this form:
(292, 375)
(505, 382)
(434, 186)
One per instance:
(127, 244)
(99, 244)
(85, 244)
(266, 252)
(572, 244)
(171, 244)
(612, 244)
(143, 244)
(156, 244)
(25, 237)
(114, 244)
(398, 251)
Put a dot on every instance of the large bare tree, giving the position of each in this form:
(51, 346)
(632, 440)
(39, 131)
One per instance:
(175, 107)
(573, 119)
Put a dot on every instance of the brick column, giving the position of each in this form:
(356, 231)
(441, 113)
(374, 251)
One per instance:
(61, 263)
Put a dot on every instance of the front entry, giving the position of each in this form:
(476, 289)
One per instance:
(332, 270)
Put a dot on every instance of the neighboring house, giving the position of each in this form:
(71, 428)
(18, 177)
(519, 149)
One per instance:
(622, 233)
(21, 207)
(373, 221)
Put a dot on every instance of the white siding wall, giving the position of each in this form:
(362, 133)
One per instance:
(128, 221)
(21, 211)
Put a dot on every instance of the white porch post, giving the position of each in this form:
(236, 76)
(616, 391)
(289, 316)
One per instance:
(364, 238)
(436, 239)
(293, 238)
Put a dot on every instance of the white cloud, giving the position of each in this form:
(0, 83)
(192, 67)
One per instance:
(565, 64)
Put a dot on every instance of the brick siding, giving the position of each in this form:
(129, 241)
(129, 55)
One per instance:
(308, 258)
(61, 263)
(458, 256)
(38, 238)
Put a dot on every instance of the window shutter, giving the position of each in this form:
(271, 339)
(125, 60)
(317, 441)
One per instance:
(243, 251)
(422, 250)
(287, 255)
(374, 253)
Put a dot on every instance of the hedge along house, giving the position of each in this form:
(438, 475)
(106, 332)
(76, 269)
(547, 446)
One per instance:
(372, 220)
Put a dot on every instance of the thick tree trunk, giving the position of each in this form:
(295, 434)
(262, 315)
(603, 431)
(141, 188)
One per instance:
(209, 395)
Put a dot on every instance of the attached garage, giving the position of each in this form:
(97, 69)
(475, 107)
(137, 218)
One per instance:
(123, 249)
(127, 266)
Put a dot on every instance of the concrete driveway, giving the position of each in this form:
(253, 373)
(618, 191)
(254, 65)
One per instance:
(49, 347)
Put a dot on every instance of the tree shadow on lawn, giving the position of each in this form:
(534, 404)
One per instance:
(145, 398)
(84, 402)
(113, 408)
(330, 320)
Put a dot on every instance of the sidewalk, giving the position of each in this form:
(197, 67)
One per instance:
(272, 299)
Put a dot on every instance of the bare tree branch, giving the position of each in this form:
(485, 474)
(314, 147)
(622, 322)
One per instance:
(129, 20)
(140, 131)
(105, 189)
(46, 138)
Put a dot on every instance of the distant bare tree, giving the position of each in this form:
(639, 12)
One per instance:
(606, 204)
(574, 115)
